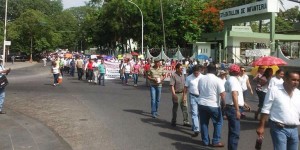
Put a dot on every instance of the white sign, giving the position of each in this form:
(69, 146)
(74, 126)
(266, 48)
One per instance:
(7, 43)
(242, 29)
(258, 52)
(259, 7)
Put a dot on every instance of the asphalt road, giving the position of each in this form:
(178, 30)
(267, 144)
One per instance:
(111, 117)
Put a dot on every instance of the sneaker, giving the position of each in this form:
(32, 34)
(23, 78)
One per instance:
(187, 124)
(54, 84)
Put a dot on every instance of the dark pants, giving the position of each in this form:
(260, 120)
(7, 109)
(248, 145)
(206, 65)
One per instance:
(61, 71)
(233, 128)
(90, 74)
(80, 73)
(126, 77)
(261, 97)
(55, 78)
(101, 77)
(72, 70)
(183, 107)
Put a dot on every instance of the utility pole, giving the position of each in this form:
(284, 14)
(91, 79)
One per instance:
(163, 24)
(4, 35)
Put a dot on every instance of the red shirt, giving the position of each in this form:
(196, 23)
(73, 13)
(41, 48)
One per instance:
(90, 66)
(147, 67)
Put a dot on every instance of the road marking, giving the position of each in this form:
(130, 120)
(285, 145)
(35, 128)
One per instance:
(11, 142)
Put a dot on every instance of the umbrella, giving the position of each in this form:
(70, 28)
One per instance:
(204, 57)
(134, 54)
(255, 69)
(269, 61)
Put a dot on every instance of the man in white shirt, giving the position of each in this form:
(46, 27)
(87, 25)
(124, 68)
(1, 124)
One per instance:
(234, 105)
(191, 89)
(211, 88)
(282, 106)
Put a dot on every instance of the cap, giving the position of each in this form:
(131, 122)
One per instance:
(157, 59)
(234, 68)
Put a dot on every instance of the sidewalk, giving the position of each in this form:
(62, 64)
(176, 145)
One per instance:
(18, 65)
(18, 131)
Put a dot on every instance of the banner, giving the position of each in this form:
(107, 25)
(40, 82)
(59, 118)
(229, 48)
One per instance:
(112, 70)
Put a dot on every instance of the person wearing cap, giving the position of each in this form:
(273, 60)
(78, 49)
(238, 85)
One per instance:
(234, 104)
(156, 75)
(3, 71)
(282, 107)
(177, 87)
(211, 88)
(223, 77)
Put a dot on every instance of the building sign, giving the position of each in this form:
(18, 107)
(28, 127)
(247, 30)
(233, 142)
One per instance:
(258, 53)
(251, 9)
(242, 29)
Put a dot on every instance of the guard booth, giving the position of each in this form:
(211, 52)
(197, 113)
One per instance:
(240, 43)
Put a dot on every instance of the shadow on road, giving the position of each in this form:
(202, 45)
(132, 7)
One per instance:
(182, 146)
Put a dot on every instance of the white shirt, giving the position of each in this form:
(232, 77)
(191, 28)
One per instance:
(233, 84)
(191, 83)
(210, 87)
(281, 107)
(127, 68)
(274, 82)
(55, 69)
(243, 79)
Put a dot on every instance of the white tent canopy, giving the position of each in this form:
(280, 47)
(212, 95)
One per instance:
(178, 55)
(148, 54)
(162, 55)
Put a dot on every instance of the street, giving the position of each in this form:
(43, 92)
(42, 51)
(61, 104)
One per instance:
(111, 117)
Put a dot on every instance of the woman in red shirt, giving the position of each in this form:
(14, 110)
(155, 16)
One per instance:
(90, 70)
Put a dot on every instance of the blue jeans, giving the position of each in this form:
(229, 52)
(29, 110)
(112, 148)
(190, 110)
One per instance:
(284, 138)
(215, 114)
(155, 93)
(126, 77)
(194, 112)
(135, 78)
(101, 77)
(55, 76)
(2, 96)
(233, 128)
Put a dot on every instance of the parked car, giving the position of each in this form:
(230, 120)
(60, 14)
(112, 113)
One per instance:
(18, 57)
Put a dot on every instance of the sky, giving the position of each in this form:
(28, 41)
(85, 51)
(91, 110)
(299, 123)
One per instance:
(75, 3)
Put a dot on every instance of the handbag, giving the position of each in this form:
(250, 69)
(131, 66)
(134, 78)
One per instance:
(3, 82)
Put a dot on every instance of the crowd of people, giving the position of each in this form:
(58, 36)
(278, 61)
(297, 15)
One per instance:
(215, 98)
(212, 93)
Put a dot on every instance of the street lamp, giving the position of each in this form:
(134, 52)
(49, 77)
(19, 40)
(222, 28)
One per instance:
(4, 35)
(142, 25)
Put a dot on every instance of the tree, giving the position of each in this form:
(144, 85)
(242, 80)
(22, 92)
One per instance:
(30, 32)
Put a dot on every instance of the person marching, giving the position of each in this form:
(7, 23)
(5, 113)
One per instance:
(191, 89)
(156, 76)
(234, 105)
(3, 71)
(282, 107)
(55, 71)
(211, 88)
(79, 66)
(102, 71)
(177, 86)
(135, 72)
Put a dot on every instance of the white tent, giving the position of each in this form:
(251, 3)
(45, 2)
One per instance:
(178, 55)
(162, 55)
(148, 54)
